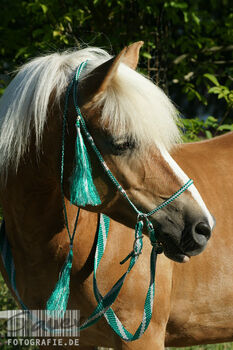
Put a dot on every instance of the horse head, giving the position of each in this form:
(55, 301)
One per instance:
(133, 125)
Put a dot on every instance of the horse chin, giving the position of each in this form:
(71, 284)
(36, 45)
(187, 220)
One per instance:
(182, 253)
(176, 256)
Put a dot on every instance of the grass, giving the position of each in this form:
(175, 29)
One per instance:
(7, 303)
(223, 346)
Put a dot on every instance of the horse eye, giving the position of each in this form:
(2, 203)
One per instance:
(120, 147)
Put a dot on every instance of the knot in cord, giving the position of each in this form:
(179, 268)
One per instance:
(138, 243)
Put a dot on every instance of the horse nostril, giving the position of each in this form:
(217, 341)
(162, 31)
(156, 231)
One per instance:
(203, 229)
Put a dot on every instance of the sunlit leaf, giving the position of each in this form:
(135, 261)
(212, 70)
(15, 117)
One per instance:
(44, 8)
(212, 78)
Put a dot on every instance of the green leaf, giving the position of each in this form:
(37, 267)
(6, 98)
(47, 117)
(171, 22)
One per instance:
(146, 55)
(208, 134)
(195, 18)
(185, 14)
(68, 18)
(56, 33)
(21, 52)
(178, 5)
(227, 127)
(212, 119)
(212, 78)
(221, 95)
(215, 90)
(44, 8)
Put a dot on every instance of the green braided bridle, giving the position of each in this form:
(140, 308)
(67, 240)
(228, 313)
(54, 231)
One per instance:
(104, 303)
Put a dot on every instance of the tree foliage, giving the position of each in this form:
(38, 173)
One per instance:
(188, 44)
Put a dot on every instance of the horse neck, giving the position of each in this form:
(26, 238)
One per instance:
(209, 164)
(31, 198)
(205, 154)
(32, 205)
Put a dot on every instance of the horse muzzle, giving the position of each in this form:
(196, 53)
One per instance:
(191, 241)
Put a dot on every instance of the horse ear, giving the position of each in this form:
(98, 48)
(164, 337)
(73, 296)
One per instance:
(131, 55)
(100, 78)
(108, 70)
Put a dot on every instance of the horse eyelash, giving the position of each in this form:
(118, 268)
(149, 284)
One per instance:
(121, 147)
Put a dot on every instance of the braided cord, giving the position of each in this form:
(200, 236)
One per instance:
(71, 236)
(172, 198)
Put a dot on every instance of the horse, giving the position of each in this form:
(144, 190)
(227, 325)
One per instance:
(133, 124)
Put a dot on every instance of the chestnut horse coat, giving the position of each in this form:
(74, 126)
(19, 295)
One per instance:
(194, 301)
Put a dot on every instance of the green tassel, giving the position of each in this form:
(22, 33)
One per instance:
(83, 190)
(59, 297)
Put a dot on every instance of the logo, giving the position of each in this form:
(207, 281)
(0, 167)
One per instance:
(41, 323)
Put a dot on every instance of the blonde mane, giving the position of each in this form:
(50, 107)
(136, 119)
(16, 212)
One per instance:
(132, 104)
